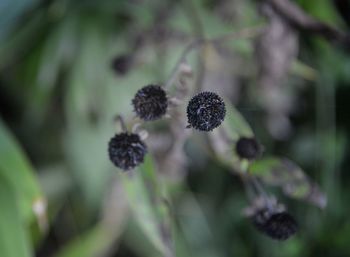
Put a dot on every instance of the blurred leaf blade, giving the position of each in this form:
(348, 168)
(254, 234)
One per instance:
(236, 123)
(10, 12)
(15, 167)
(142, 206)
(93, 243)
(290, 177)
(159, 195)
(14, 241)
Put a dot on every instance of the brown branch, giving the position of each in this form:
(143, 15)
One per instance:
(301, 20)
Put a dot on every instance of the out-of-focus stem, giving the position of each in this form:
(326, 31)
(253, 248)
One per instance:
(119, 118)
(244, 33)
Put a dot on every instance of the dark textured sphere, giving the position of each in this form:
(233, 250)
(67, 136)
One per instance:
(126, 150)
(206, 111)
(279, 226)
(121, 64)
(248, 148)
(150, 102)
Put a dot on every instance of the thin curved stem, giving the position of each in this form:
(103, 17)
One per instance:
(249, 188)
(119, 118)
(244, 33)
(182, 58)
(261, 191)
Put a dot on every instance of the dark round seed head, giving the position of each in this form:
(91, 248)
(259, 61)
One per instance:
(121, 64)
(126, 150)
(206, 111)
(279, 226)
(150, 102)
(248, 148)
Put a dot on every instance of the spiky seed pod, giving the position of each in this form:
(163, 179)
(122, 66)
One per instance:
(248, 148)
(279, 226)
(206, 111)
(150, 102)
(126, 150)
(121, 64)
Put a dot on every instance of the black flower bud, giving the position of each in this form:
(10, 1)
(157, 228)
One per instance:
(126, 150)
(248, 148)
(279, 226)
(205, 111)
(121, 64)
(150, 102)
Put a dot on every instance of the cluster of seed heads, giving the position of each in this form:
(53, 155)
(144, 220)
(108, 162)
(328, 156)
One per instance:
(127, 150)
(278, 225)
(205, 112)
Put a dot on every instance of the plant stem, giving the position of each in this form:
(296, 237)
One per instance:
(119, 118)
(244, 33)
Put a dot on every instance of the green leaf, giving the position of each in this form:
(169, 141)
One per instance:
(145, 204)
(290, 177)
(15, 167)
(83, 142)
(265, 168)
(235, 123)
(13, 238)
(88, 110)
(100, 239)
(303, 70)
(10, 13)
(93, 243)
(159, 194)
(58, 50)
(196, 228)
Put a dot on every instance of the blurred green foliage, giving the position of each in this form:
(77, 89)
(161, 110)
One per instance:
(58, 98)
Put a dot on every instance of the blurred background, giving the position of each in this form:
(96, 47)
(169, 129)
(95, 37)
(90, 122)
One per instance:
(67, 67)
